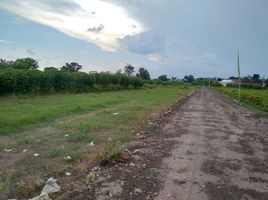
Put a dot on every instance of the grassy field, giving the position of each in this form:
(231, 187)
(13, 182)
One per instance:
(17, 113)
(257, 99)
(66, 130)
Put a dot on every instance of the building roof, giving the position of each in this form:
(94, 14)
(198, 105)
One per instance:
(227, 81)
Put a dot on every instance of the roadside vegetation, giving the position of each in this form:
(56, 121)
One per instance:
(256, 98)
(23, 77)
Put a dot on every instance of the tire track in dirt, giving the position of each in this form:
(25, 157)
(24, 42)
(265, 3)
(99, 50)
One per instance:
(206, 148)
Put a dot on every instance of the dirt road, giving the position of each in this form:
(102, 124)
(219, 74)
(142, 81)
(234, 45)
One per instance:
(206, 148)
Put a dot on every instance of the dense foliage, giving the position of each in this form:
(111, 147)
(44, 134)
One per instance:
(144, 74)
(71, 67)
(14, 81)
(163, 78)
(189, 79)
(246, 85)
(21, 63)
(22, 77)
(206, 82)
(255, 98)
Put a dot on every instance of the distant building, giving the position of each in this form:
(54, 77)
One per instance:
(236, 81)
(226, 82)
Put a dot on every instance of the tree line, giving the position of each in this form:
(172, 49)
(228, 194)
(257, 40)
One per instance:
(23, 77)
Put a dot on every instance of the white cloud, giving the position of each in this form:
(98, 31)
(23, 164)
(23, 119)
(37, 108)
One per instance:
(155, 57)
(77, 17)
(5, 41)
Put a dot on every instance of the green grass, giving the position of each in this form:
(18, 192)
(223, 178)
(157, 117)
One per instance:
(81, 137)
(41, 125)
(76, 153)
(19, 113)
(130, 114)
(53, 153)
(257, 99)
(8, 178)
(27, 142)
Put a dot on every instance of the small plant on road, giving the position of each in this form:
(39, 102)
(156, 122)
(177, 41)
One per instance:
(152, 172)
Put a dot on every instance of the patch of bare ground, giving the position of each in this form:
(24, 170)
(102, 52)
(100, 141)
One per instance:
(217, 168)
(224, 192)
(257, 164)
(243, 146)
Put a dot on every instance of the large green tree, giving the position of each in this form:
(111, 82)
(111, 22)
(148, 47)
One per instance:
(71, 67)
(163, 78)
(256, 77)
(129, 70)
(21, 63)
(144, 74)
(189, 79)
(4, 63)
(25, 63)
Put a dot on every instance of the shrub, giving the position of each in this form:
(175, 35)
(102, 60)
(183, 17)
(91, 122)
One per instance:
(111, 153)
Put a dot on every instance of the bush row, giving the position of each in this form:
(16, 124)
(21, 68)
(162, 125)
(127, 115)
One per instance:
(14, 81)
(246, 85)
(159, 82)
(206, 82)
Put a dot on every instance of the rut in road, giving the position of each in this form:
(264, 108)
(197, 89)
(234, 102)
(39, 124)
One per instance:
(207, 148)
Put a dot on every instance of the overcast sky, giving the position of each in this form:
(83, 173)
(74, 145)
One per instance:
(173, 37)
